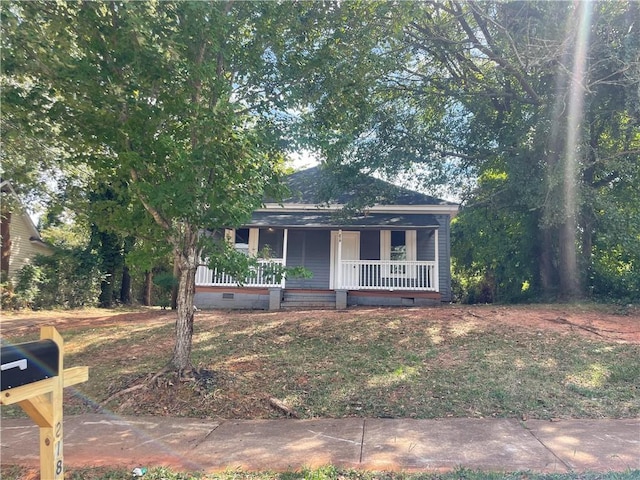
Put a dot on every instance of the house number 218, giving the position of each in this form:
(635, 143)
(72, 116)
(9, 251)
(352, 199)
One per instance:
(57, 448)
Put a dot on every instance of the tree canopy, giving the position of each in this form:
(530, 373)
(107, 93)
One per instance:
(176, 117)
(174, 107)
(529, 112)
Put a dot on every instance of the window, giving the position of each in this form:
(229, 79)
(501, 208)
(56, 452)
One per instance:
(241, 241)
(244, 240)
(398, 245)
(271, 242)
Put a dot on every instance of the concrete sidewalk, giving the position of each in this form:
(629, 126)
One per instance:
(373, 444)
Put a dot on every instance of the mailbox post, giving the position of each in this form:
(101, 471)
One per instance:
(34, 380)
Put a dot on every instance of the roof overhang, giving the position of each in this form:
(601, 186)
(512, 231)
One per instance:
(39, 241)
(323, 219)
(450, 209)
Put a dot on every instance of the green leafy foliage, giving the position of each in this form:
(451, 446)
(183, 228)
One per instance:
(183, 110)
(528, 111)
(67, 279)
(179, 111)
(27, 289)
(166, 282)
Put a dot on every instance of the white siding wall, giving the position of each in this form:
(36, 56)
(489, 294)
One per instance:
(23, 250)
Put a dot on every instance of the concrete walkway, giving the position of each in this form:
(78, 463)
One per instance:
(375, 444)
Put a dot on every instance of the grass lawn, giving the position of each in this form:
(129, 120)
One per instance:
(327, 473)
(540, 362)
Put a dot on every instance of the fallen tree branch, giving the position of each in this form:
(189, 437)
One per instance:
(143, 384)
(564, 321)
(279, 405)
(125, 391)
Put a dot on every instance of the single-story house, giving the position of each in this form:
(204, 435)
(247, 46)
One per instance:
(396, 252)
(20, 238)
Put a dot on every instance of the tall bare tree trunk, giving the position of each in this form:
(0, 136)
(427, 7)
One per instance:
(568, 271)
(125, 286)
(174, 289)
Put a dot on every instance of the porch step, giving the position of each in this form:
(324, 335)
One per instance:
(308, 300)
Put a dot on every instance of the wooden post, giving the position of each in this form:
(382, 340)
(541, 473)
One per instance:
(51, 444)
(42, 401)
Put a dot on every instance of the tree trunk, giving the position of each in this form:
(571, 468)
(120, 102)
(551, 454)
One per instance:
(568, 271)
(106, 289)
(5, 237)
(174, 290)
(187, 263)
(110, 251)
(148, 288)
(545, 261)
(125, 287)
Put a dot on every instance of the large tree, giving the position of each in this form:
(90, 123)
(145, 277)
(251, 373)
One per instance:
(553, 128)
(528, 110)
(177, 107)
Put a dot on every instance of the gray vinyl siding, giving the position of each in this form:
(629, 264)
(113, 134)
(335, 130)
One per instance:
(310, 249)
(426, 250)
(444, 242)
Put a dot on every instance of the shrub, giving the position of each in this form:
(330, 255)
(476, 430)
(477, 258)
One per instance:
(67, 279)
(614, 278)
(30, 278)
(165, 281)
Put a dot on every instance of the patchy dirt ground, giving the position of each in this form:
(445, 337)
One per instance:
(383, 361)
(619, 324)
(243, 384)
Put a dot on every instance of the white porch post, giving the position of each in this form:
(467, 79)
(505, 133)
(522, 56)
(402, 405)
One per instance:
(254, 234)
(436, 270)
(339, 262)
(285, 244)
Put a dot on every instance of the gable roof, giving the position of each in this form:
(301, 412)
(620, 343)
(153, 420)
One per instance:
(34, 234)
(323, 198)
(318, 185)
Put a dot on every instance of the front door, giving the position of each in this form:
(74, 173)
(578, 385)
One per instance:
(350, 250)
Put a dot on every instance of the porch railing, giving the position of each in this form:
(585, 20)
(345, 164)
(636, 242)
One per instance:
(352, 275)
(262, 276)
(387, 275)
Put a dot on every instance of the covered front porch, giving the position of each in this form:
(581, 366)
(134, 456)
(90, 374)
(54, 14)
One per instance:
(350, 275)
(355, 259)
(348, 267)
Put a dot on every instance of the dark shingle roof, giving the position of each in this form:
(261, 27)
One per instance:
(318, 185)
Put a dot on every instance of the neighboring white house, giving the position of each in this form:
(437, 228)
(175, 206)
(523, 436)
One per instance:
(20, 239)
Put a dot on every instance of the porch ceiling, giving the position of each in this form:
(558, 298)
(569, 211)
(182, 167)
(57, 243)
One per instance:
(328, 219)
